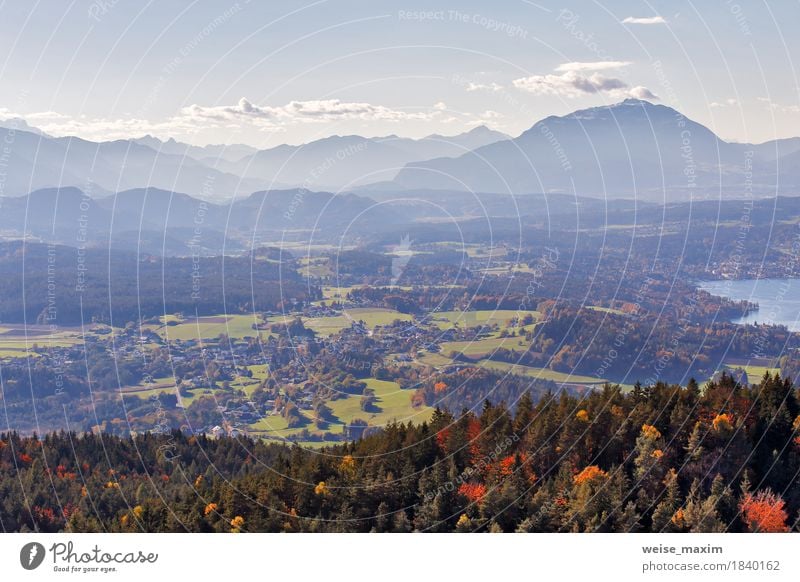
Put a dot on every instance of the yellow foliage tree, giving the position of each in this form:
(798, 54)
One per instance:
(651, 432)
(348, 466)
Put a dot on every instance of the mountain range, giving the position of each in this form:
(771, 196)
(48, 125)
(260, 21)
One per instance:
(632, 149)
(32, 160)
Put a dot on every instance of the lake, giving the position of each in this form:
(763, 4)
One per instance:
(778, 299)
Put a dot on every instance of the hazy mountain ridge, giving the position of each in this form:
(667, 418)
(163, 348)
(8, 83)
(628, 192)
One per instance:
(630, 149)
(35, 161)
(633, 148)
(342, 162)
(161, 222)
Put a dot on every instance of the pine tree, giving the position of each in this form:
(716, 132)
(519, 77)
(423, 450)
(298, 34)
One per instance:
(664, 513)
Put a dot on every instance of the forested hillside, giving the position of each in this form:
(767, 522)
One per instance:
(663, 458)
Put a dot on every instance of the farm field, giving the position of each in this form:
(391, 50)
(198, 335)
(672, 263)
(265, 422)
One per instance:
(20, 341)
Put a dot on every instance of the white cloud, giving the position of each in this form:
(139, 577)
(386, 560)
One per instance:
(591, 66)
(726, 103)
(572, 82)
(297, 111)
(490, 87)
(194, 119)
(779, 107)
(490, 115)
(645, 20)
(568, 84)
(640, 92)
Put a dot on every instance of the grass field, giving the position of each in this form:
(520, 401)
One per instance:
(336, 292)
(505, 268)
(370, 316)
(19, 342)
(445, 319)
(166, 386)
(235, 326)
(249, 385)
(435, 360)
(11, 353)
(605, 309)
(755, 368)
(315, 267)
(483, 347)
(273, 426)
(755, 373)
(540, 373)
(393, 403)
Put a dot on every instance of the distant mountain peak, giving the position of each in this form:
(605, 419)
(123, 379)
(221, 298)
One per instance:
(625, 149)
(628, 109)
(475, 132)
(481, 129)
(635, 101)
(19, 124)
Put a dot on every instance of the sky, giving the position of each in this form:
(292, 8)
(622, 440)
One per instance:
(265, 73)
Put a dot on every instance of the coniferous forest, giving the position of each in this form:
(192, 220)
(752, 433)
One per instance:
(661, 458)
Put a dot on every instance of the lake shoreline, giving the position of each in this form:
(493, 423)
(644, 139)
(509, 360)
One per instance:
(777, 300)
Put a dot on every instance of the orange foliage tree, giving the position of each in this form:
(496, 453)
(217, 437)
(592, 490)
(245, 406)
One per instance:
(723, 422)
(589, 474)
(764, 512)
(472, 491)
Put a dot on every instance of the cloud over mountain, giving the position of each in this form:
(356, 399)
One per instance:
(573, 85)
(302, 111)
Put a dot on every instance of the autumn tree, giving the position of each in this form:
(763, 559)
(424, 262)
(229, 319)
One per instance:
(764, 512)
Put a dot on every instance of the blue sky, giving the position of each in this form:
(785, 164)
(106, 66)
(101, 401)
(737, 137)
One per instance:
(265, 73)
